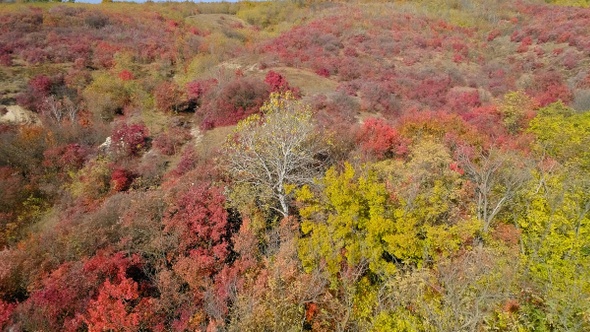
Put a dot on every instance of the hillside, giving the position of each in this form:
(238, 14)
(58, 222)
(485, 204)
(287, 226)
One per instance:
(295, 166)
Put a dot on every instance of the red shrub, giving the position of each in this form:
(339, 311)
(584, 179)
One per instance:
(235, 101)
(65, 158)
(188, 161)
(486, 119)
(6, 59)
(195, 90)
(121, 179)
(130, 139)
(380, 140)
(458, 58)
(126, 75)
(6, 310)
(349, 69)
(168, 97)
(522, 48)
(75, 294)
(199, 219)
(527, 41)
(564, 37)
(105, 265)
(171, 141)
(516, 36)
(493, 34)
(40, 88)
(507, 233)
(117, 304)
(570, 60)
(340, 107)
(113, 308)
(276, 82)
(37, 90)
(64, 293)
(378, 97)
(549, 87)
(103, 54)
(429, 90)
(555, 93)
(41, 84)
(60, 162)
(323, 72)
(462, 100)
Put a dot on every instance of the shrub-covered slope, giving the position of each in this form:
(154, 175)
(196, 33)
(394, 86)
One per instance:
(295, 166)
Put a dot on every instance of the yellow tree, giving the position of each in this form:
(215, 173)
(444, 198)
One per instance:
(348, 222)
(429, 192)
(555, 221)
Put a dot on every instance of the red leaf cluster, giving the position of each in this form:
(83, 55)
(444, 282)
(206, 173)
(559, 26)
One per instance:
(379, 139)
(130, 139)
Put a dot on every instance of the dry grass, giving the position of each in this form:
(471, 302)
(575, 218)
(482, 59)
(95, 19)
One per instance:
(208, 143)
(215, 22)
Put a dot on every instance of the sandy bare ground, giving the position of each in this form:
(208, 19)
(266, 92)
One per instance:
(15, 114)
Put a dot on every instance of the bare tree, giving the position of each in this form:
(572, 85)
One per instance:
(279, 148)
(58, 109)
(279, 291)
(71, 108)
(497, 176)
(460, 294)
(53, 109)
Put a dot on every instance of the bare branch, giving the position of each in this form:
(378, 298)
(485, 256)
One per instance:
(281, 148)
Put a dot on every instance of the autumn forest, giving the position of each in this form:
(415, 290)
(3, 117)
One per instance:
(295, 166)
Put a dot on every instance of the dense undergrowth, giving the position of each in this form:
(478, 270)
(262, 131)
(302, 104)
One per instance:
(295, 166)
